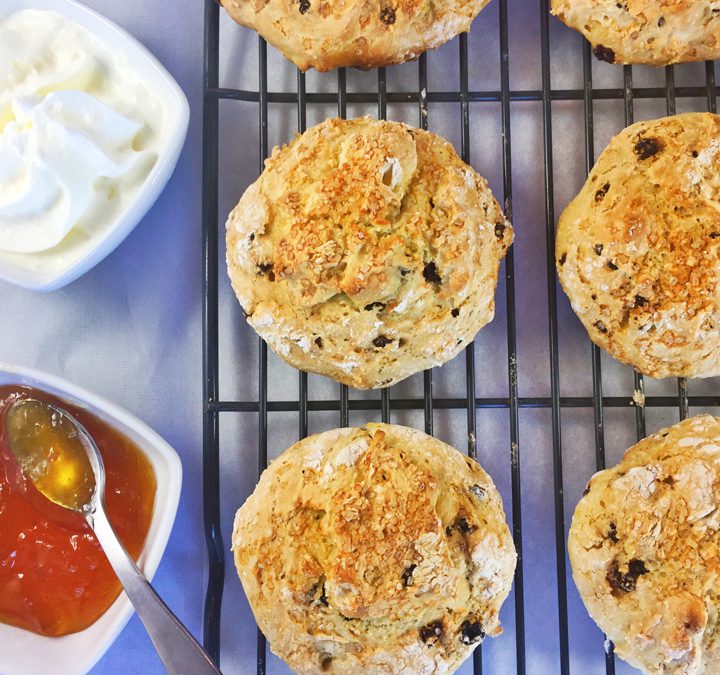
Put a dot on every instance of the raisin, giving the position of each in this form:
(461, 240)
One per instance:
(612, 532)
(252, 236)
(319, 342)
(471, 632)
(586, 491)
(432, 631)
(640, 301)
(407, 575)
(598, 248)
(563, 258)
(323, 598)
(600, 194)
(600, 326)
(387, 16)
(267, 268)
(455, 311)
(432, 203)
(661, 22)
(637, 568)
(380, 305)
(627, 581)
(304, 6)
(318, 586)
(404, 271)
(714, 235)
(694, 153)
(612, 265)
(604, 53)
(382, 341)
(430, 273)
(464, 526)
(499, 230)
(647, 147)
(448, 531)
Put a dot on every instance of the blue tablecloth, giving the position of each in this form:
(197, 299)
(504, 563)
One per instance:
(130, 329)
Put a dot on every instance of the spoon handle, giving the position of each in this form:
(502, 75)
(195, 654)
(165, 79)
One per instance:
(180, 653)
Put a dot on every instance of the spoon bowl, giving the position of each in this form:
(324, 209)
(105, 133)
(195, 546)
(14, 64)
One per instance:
(56, 453)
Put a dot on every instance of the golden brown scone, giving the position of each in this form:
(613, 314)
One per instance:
(374, 550)
(367, 251)
(638, 250)
(327, 34)
(645, 31)
(644, 549)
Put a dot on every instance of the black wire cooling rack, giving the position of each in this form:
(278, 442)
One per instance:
(464, 97)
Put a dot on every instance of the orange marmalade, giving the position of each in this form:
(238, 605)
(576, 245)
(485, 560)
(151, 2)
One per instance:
(54, 576)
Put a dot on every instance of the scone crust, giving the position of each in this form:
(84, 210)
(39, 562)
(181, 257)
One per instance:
(638, 250)
(367, 251)
(643, 546)
(642, 31)
(327, 34)
(375, 549)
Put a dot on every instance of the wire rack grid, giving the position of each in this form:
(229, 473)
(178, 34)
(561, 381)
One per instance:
(429, 405)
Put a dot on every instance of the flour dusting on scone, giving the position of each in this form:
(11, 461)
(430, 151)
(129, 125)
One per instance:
(374, 550)
(644, 548)
(367, 251)
(327, 34)
(646, 31)
(638, 249)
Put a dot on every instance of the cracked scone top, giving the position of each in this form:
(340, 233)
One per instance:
(646, 31)
(374, 550)
(638, 250)
(644, 549)
(327, 34)
(367, 251)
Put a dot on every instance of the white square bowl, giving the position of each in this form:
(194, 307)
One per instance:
(23, 269)
(25, 653)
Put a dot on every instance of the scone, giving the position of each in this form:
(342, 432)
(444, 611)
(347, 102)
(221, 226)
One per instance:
(644, 546)
(638, 250)
(374, 550)
(638, 31)
(327, 34)
(367, 251)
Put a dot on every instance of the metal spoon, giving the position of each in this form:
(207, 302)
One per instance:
(63, 462)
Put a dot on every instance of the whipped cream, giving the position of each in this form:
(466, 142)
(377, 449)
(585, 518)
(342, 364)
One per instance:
(62, 158)
(78, 133)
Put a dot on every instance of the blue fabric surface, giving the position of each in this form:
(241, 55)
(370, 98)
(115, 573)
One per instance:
(130, 329)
